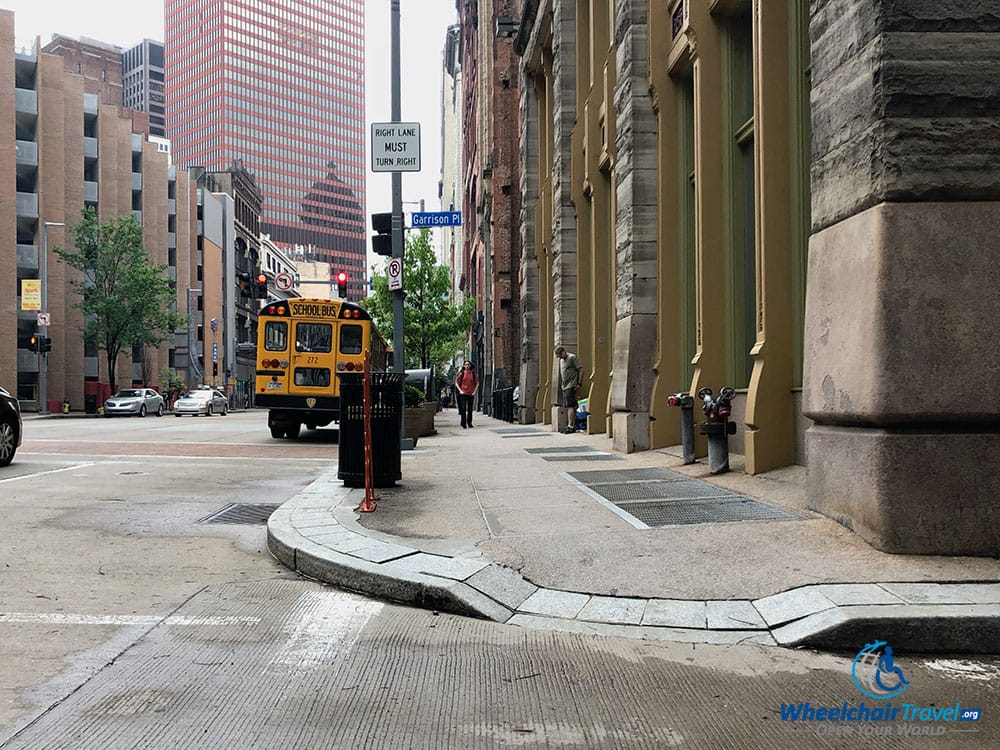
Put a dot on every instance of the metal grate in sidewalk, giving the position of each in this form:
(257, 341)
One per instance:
(661, 490)
(241, 513)
(709, 510)
(518, 431)
(654, 497)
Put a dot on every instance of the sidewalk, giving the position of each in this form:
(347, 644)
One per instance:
(520, 524)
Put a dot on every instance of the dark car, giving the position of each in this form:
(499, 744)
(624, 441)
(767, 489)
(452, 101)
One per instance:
(10, 427)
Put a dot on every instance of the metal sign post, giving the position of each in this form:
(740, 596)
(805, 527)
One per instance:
(398, 295)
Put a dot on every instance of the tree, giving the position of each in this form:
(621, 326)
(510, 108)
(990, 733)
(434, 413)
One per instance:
(126, 301)
(434, 329)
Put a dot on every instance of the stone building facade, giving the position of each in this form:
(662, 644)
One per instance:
(683, 163)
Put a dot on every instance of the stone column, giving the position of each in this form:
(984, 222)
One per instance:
(636, 219)
(903, 299)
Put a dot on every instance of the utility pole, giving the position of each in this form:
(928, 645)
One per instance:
(398, 295)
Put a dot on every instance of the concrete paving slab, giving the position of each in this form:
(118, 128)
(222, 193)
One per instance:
(931, 593)
(456, 568)
(564, 604)
(613, 610)
(857, 593)
(983, 593)
(733, 615)
(676, 613)
(349, 544)
(503, 584)
(329, 536)
(380, 552)
(791, 605)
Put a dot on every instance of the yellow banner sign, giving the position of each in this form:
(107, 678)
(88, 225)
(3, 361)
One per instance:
(31, 294)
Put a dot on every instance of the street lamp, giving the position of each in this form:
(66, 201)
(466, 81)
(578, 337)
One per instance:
(44, 274)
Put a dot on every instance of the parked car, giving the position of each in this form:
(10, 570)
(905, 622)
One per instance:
(141, 401)
(207, 401)
(10, 427)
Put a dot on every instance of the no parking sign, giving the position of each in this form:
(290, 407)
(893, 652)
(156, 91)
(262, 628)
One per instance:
(395, 274)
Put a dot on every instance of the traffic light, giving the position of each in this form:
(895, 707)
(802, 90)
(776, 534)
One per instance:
(246, 282)
(40, 344)
(260, 292)
(382, 242)
(342, 284)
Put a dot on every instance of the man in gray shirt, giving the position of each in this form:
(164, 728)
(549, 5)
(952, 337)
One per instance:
(569, 377)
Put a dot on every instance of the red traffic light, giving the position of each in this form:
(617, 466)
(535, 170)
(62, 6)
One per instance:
(342, 277)
(342, 284)
(262, 278)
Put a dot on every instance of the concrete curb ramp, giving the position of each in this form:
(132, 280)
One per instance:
(316, 534)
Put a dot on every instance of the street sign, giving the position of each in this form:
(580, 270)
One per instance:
(395, 268)
(436, 219)
(283, 282)
(395, 147)
(43, 320)
(215, 352)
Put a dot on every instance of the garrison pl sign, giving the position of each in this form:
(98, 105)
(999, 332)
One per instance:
(395, 147)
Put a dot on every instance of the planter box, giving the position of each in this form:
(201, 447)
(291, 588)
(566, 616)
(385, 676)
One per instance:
(419, 420)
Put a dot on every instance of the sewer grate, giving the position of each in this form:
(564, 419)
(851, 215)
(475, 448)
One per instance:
(665, 490)
(516, 430)
(563, 449)
(588, 457)
(601, 476)
(715, 510)
(536, 433)
(241, 513)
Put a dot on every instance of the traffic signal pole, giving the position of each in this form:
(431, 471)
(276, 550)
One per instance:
(398, 295)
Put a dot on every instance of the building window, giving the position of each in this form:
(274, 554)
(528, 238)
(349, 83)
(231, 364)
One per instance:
(743, 245)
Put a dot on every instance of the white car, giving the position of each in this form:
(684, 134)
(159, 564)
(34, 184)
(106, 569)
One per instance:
(134, 401)
(207, 401)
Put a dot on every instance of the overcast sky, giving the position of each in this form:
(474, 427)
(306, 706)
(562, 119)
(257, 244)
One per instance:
(422, 23)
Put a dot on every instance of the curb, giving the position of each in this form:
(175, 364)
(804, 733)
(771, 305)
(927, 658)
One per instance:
(316, 534)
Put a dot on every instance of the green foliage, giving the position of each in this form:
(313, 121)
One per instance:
(413, 396)
(126, 301)
(170, 380)
(434, 330)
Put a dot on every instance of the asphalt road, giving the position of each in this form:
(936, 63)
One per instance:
(128, 618)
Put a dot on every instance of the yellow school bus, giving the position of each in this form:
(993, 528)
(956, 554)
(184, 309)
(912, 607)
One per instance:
(301, 346)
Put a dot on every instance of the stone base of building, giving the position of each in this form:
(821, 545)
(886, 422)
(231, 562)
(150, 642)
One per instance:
(630, 431)
(908, 491)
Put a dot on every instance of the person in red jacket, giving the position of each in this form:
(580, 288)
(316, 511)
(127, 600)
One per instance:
(466, 383)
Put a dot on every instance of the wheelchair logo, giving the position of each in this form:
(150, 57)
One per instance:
(875, 673)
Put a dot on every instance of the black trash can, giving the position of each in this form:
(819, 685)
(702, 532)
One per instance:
(386, 423)
(90, 403)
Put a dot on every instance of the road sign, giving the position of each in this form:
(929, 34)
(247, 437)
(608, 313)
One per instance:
(43, 319)
(215, 352)
(395, 147)
(436, 219)
(395, 274)
(283, 282)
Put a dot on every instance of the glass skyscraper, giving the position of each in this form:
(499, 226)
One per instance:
(280, 85)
